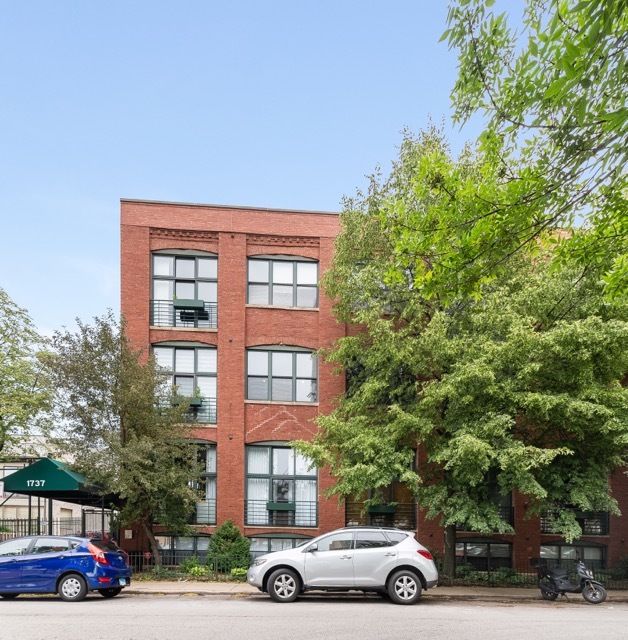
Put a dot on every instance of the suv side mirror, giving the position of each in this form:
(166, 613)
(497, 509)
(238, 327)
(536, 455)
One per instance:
(312, 547)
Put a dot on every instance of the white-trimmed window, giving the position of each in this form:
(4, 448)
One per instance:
(280, 375)
(283, 282)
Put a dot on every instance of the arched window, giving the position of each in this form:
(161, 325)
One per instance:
(184, 290)
(281, 487)
(193, 368)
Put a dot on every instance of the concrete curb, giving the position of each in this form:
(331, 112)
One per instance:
(243, 590)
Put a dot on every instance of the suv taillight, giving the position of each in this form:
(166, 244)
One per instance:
(97, 554)
(425, 553)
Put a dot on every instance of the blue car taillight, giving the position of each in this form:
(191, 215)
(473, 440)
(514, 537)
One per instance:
(97, 554)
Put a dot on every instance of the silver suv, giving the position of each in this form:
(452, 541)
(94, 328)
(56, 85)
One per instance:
(386, 561)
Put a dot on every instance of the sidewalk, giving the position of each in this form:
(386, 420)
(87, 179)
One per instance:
(242, 589)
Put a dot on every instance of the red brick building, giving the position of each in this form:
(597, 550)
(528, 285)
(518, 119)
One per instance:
(227, 298)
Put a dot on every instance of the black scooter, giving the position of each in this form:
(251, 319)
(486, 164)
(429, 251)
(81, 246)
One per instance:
(555, 582)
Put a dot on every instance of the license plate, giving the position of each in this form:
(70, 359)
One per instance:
(122, 582)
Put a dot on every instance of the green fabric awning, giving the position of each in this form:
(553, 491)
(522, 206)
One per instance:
(52, 479)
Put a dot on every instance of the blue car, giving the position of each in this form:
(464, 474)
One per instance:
(68, 565)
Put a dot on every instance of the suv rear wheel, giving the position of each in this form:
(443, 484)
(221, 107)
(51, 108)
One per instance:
(283, 585)
(404, 587)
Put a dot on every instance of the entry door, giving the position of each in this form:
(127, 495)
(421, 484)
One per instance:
(331, 565)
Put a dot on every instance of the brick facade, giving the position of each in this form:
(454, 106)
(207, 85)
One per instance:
(234, 234)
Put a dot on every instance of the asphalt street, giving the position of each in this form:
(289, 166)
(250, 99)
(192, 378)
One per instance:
(240, 616)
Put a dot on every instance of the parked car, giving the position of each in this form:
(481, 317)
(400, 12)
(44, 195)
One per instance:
(68, 565)
(371, 559)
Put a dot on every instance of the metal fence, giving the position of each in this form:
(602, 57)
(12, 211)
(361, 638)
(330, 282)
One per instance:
(467, 575)
(217, 567)
(91, 524)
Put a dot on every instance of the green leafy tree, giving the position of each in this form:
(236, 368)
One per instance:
(229, 549)
(552, 91)
(23, 387)
(521, 384)
(117, 421)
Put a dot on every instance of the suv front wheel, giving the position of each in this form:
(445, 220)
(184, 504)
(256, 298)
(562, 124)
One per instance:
(283, 585)
(404, 587)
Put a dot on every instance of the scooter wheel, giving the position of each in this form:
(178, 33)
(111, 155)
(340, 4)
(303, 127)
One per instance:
(594, 593)
(549, 595)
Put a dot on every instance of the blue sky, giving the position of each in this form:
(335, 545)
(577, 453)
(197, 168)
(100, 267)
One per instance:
(274, 104)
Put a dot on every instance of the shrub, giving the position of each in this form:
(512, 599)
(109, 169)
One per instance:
(506, 575)
(228, 549)
(238, 573)
(188, 564)
(198, 571)
(620, 571)
(159, 572)
(465, 571)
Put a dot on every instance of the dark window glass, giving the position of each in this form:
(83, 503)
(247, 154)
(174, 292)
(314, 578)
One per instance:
(283, 283)
(371, 540)
(293, 376)
(395, 537)
(50, 545)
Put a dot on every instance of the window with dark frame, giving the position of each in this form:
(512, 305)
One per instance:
(281, 488)
(194, 374)
(261, 545)
(282, 283)
(564, 554)
(279, 375)
(484, 555)
(206, 485)
(184, 290)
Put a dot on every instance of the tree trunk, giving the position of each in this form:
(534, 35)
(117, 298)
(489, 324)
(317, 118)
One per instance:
(154, 547)
(449, 559)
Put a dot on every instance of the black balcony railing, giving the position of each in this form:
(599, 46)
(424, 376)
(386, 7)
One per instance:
(281, 514)
(402, 515)
(201, 410)
(205, 512)
(507, 514)
(164, 313)
(205, 412)
(592, 523)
